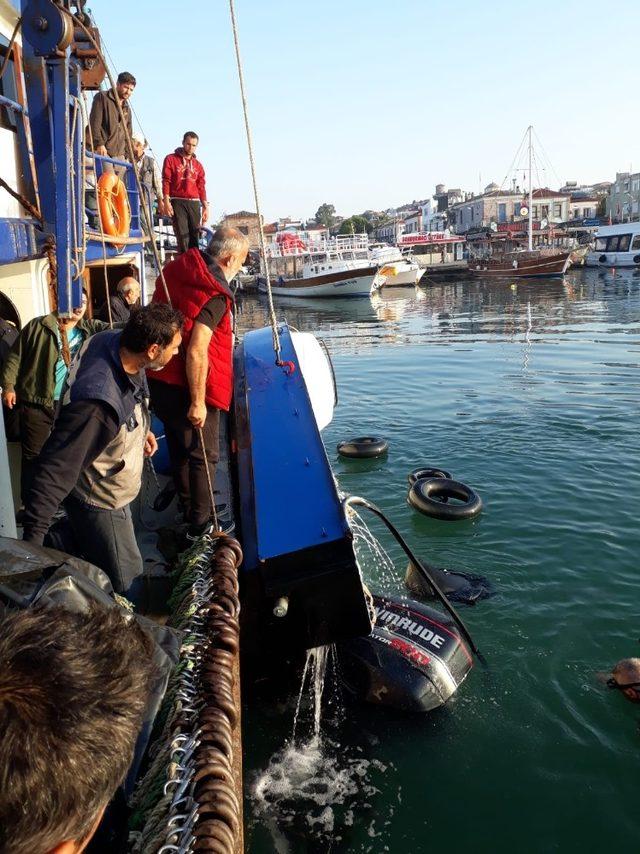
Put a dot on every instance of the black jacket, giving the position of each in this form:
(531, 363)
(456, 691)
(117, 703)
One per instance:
(120, 310)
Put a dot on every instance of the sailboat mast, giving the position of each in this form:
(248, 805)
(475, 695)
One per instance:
(530, 196)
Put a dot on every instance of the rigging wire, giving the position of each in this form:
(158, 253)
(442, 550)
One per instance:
(547, 158)
(263, 248)
(518, 151)
(9, 49)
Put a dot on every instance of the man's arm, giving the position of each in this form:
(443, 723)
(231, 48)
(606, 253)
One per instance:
(202, 193)
(197, 370)
(81, 432)
(166, 185)
(96, 118)
(10, 371)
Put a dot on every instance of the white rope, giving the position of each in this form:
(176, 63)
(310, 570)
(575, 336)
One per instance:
(263, 247)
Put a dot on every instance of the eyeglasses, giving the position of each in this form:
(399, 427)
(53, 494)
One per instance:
(611, 683)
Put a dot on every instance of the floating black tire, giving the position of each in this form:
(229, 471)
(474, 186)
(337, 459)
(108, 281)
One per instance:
(602, 259)
(364, 447)
(428, 496)
(426, 473)
(636, 259)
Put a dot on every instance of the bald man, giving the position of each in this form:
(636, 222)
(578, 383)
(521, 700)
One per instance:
(126, 296)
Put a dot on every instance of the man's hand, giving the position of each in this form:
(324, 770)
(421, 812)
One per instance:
(168, 207)
(150, 445)
(197, 415)
(102, 151)
(205, 214)
(9, 399)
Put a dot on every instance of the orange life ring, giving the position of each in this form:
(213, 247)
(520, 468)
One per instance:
(113, 205)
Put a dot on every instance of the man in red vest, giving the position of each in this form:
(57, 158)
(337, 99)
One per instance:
(188, 394)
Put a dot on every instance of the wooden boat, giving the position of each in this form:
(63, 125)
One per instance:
(351, 281)
(537, 263)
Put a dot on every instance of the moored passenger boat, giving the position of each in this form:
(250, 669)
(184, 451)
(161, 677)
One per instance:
(339, 267)
(616, 246)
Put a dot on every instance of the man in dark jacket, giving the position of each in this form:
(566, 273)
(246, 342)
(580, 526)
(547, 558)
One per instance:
(95, 454)
(34, 372)
(185, 194)
(189, 393)
(125, 298)
(107, 128)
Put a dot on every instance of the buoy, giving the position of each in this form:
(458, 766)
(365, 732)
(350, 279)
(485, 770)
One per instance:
(425, 473)
(427, 497)
(363, 447)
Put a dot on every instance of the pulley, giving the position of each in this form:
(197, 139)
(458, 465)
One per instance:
(46, 27)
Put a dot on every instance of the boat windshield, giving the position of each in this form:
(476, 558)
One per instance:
(617, 243)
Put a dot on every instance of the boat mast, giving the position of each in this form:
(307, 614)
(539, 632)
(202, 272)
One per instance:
(530, 196)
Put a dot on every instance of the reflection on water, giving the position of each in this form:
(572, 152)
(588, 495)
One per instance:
(528, 391)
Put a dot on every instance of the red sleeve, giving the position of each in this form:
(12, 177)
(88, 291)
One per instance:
(200, 184)
(167, 175)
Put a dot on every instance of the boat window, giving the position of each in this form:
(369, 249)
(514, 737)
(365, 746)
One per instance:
(601, 244)
(8, 88)
(636, 243)
(625, 241)
(619, 243)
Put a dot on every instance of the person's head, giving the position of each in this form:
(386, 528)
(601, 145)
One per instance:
(129, 289)
(230, 248)
(190, 142)
(625, 677)
(125, 84)
(139, 144)
(73, 691)
(152, 335)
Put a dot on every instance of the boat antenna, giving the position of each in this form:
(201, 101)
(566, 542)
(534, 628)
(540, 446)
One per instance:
(263, 247)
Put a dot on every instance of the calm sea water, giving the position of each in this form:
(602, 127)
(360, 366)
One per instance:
(529, 393)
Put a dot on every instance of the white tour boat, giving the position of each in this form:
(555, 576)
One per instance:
(398, 270)
(616, 246)
(338, 267)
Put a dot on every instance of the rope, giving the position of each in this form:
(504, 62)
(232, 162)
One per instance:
(26, 204)
(7, 56)
(263, 247)
(104, 245)
(209, 483)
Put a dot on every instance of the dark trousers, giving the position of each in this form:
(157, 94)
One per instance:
(106, 538)
(188, 465)
(36, 423)
(186, 223)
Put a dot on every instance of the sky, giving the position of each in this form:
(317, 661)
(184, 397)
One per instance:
(370, 104)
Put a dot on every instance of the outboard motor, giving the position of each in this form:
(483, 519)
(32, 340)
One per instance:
(414, 659)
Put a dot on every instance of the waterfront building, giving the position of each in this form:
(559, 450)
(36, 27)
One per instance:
(494, 205)
(390, 231)
(413, 222)
(623, 201)
(247, 223)
(551, 205)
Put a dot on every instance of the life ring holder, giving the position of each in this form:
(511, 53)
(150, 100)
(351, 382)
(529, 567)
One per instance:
(423, 495)
(364, 447)
(113, 206)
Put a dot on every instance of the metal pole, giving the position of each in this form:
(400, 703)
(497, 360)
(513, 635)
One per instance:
(530, 196)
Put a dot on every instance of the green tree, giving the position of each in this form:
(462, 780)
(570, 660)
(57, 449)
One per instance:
(356, 225)
(325, 215)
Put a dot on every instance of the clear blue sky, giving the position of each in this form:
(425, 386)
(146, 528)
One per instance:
(370, 104)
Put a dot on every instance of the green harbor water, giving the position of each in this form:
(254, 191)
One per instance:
(528, 392)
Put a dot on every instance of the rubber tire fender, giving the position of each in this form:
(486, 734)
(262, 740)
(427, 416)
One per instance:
(424, 472)
(363, 447)
(422, 496)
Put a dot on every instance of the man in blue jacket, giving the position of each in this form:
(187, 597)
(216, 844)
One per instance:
(95, 454)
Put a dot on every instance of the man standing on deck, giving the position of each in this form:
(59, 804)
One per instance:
(185, 195)
(149, 173)
(109, 132)
(95, 454)
(189, 393)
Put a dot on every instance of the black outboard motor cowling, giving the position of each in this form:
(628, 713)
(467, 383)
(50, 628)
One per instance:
(414, 659)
